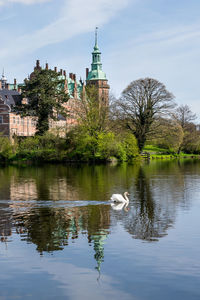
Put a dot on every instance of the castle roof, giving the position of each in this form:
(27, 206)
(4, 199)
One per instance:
(10, 97)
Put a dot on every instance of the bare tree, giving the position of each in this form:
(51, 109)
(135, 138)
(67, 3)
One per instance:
(168, 134)
(141, 103)
(184, 116)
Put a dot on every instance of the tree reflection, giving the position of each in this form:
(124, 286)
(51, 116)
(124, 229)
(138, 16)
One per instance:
(148, 219)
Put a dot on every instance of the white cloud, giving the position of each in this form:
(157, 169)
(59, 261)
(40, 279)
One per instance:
(76, 17)
(27, 2)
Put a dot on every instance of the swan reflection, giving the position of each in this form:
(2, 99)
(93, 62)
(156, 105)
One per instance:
(120, 206)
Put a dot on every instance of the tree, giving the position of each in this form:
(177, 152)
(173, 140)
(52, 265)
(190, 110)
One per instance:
(184, 116)
(169, 134)
(141, 103)
(46, 96)
(91, 112)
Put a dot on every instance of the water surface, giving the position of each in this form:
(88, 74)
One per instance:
(61, 239)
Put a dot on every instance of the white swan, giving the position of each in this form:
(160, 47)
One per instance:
(118, 198)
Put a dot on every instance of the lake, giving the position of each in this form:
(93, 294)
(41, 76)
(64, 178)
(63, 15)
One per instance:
(62, 239)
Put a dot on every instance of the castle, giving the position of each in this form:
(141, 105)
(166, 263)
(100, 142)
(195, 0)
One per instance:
(10, 94)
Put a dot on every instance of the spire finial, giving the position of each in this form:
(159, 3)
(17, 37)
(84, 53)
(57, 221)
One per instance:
(96, 31)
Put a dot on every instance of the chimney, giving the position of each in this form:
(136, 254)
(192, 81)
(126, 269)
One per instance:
(7, 86)
(71, 75)
(66, 86)
(75, 87)
(64, 73)
(55, 69)
(19, 89)
(61, 71)
(15, 83)
(47, 66)
(37, 63)
(87, 72)
(0, 85)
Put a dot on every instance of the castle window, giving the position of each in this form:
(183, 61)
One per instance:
(1, 119)
(13, 120)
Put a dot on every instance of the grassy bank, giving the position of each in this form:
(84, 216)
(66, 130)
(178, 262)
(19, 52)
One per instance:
(154, 152)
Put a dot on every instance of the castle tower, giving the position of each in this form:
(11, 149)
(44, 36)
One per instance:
(3, 81)
(97, 76)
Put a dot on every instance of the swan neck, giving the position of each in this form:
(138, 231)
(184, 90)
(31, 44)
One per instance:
(126, 198)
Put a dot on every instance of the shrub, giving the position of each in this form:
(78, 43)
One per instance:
(130, 146)
(103, 146)
(6, 149)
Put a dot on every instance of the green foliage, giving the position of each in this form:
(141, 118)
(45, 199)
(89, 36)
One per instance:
(46, 95)
(131, 147)
(42, 148)
(83, 146)
(6, 149)
(90, 112)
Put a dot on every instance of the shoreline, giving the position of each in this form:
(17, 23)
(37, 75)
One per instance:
(99, 162)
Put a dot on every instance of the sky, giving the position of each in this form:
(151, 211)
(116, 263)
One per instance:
(137, 38)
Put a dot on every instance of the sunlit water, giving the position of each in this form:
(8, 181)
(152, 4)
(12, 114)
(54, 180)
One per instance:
(61, 239)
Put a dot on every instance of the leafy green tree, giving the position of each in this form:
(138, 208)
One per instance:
(6, 149)
(92, 115)
(45, 96)
(141, 103)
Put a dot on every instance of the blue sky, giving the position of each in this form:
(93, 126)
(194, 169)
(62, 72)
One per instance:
(138, 38)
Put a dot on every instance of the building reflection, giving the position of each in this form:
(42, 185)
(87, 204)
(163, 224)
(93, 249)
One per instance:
(6, 214)
(51, 229)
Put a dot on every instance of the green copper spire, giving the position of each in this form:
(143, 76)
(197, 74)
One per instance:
(96, 46)
(96, 72)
